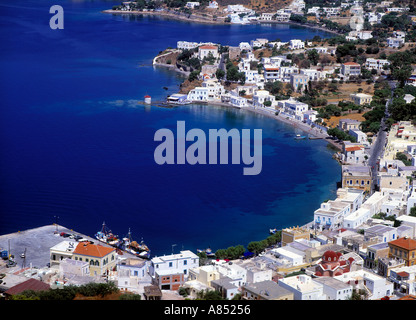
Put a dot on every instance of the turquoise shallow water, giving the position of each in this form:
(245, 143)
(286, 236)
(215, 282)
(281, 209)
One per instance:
(75, 143)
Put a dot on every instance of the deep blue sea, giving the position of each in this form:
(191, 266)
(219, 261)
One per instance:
(76, 145)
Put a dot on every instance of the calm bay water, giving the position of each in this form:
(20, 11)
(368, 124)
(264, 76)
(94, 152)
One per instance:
(75, 144)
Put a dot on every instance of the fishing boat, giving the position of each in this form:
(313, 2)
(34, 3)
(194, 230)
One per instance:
(299, 137)
(139, 249)
(131, 246)
(106, 236)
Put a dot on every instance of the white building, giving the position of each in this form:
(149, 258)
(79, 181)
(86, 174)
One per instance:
(331, 215)
(238, 101)
(237, 8)
(258, 43)
(377, 64)
(206, 51)
(303, 287)
(179, 263)
(267, 16)
(359, 136)
(376, 286)
(404, 279)
(288, 256)
(299, 82)
(295, 108)
(192, 5)
(131, 273)
(381, 232)
(185, 45)
(368, 209)
(295, 44)
(335, 289)
(271, 73)
(395, 42)
(408, 221)
(261, 96)
(211, 90)
(282, 16)
(331, 11)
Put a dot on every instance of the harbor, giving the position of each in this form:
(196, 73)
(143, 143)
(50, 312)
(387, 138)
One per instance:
(36, 244)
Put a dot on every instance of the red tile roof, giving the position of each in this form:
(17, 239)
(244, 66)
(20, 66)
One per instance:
(351, 64)
(403, 274)
(208, 47)
(31, 284)
(93, 250)
(355, 148)
(405, 243)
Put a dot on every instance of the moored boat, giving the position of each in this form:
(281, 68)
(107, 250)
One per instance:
(106, 236)
(207, 251)
(299, 137)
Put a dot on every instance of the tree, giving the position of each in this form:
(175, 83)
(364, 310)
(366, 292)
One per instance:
(313, 56)
(254, 247)
(193, 75)
(220, 74)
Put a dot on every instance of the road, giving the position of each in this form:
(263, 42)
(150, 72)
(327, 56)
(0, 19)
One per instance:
(377, 150)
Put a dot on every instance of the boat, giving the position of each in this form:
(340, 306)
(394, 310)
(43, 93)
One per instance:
(106, 236)
(207, 251)
(178, 99)
(133, 247)
(139, 249)
(273, 231)
(299, 137)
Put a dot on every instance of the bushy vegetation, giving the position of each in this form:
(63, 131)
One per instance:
(384, 216)
(255, 247)
(341, 135)
(69, 292)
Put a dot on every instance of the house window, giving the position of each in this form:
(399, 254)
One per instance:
(170, 264)
(185, 262)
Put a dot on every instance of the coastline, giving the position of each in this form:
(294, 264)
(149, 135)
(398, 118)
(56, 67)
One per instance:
(296, 124)
(168, 14)
(198, 19)
(293, 123)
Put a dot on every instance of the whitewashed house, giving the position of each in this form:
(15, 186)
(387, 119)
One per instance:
(303, 287)
(395, 42)
(331, 215)
(261, 96)
(377, 64)
(186, 45)
(206, 50)
(295, 44)
(378, 287)
(179, 263)
(334, 289)
(192, 5)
